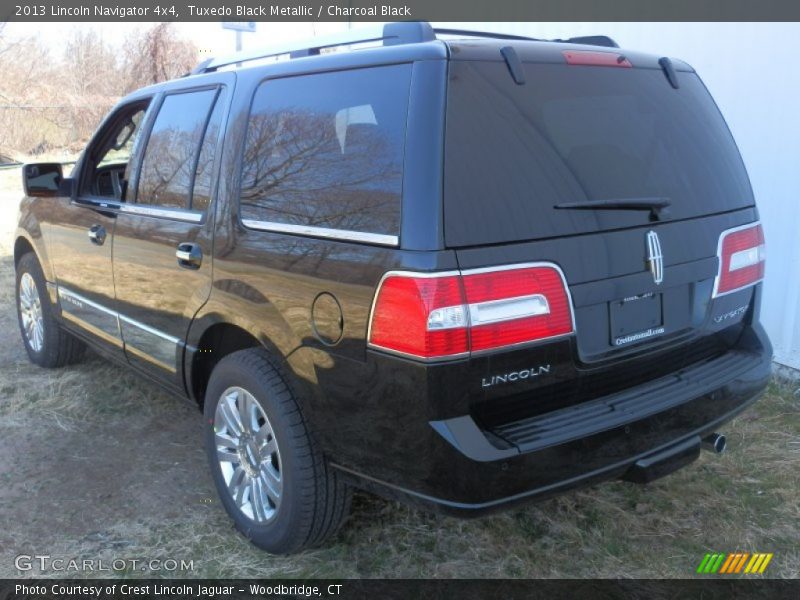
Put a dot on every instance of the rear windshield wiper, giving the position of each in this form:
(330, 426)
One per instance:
(657, 206)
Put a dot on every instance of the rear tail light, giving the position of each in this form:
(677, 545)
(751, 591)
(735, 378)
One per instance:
(420, 316)
(742, 257)
(452, 314)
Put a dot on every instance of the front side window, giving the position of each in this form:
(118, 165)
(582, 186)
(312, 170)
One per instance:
(326, 150)
(171, 157)
(108, 160)
(120, 149)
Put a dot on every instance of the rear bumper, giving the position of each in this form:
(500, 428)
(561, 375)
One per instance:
(591, 418)
(471, 471)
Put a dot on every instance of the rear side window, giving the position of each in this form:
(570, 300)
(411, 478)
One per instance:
(173, 148)
(578, 133)
(326, 151)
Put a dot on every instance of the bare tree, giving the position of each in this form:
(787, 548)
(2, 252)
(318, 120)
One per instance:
(26, 92)
(90, 65)
(89, 85)
(56, 102)
(157, 54)
(3, 39)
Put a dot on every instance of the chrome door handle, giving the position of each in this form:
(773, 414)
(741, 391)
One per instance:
(97, 234)
(189, 256)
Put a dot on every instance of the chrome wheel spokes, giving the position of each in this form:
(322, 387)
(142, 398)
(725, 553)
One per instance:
(30, 310)
(248, 454)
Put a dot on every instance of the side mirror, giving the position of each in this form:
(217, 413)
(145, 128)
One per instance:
(42, 179)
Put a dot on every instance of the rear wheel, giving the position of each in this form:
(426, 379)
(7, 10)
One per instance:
(46, 343)
(270, 476)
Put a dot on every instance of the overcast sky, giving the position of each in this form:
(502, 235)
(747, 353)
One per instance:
(210, 38)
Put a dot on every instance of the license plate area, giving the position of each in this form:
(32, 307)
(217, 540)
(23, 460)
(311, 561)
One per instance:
(636, 318)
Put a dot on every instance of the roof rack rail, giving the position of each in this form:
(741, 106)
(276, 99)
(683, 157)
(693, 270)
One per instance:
(486, 34)
(390, 34)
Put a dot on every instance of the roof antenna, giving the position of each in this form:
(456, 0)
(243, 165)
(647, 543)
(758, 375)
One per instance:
(514, 64)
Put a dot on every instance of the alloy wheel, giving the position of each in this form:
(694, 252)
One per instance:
(30, 309)
(248, 454)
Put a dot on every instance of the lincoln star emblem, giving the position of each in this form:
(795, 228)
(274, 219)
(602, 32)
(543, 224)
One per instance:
(655, 260)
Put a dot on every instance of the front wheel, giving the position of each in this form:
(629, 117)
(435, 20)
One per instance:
(46, 343)
(269, 474)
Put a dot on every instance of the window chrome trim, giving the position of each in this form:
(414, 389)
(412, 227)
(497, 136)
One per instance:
(323, 232)
(143, 210)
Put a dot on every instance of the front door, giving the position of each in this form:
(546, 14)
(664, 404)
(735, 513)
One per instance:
(163, 237)
(81, 230)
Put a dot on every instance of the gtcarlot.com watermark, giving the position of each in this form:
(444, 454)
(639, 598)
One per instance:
(45, 562)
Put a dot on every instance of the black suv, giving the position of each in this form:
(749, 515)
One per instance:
(462, 272)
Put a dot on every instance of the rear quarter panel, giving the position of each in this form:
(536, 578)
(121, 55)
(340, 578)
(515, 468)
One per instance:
(266, 284)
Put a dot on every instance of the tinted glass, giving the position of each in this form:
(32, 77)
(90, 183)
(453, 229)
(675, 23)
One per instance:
(575, 133)
(203, 177)
(170, 157)
(326, 150)
(124, 140)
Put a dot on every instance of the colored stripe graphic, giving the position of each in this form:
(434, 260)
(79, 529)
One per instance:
(728, 562)
(734, 563)
(740, 564)
(764, 564)
(703, 563)
(755, 561)
(715, 566)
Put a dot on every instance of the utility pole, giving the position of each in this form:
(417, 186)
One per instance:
(238, 27)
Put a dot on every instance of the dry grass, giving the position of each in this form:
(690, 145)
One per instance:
(97, 464)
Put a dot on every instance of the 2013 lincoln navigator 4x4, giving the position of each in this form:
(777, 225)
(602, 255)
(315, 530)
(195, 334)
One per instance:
(461, 271)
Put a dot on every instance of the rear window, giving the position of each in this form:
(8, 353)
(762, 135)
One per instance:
(577, 133)
(326, 151)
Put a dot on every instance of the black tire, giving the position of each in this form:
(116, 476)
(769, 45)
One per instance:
(58, 347)
(314, 500)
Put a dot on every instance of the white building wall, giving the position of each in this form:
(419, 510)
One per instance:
(751, 70)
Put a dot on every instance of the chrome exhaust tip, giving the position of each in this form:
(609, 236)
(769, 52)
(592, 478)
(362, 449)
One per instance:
(715, 443)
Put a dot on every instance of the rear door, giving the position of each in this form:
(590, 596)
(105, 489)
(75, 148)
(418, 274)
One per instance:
(526, 166)
(163, 238)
